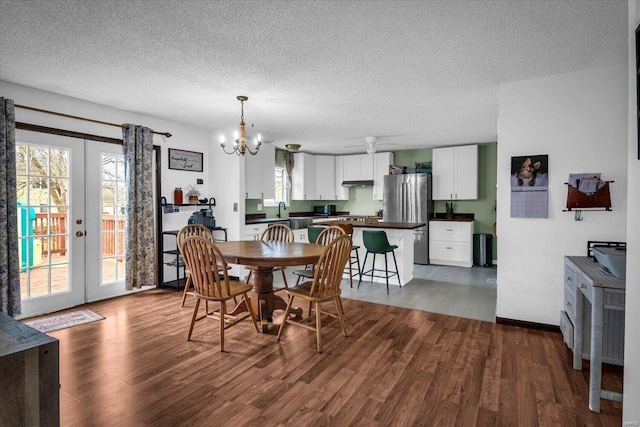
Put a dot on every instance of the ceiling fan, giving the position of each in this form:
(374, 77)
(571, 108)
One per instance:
(371, 142)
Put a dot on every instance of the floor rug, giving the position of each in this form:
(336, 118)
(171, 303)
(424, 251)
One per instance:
(63, 321)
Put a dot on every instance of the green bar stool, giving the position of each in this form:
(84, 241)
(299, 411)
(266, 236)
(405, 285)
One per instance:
(376, 242)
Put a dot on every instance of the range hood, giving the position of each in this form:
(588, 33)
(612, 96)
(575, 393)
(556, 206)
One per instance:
(363, 183)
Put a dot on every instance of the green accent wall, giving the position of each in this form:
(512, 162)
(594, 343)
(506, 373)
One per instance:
(361, 198)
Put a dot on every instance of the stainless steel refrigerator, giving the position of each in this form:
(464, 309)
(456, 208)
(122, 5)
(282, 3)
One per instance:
(407, 198)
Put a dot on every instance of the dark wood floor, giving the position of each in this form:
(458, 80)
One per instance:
(397, 367)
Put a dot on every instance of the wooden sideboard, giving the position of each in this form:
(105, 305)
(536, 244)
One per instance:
(592, 322)
(30, 373)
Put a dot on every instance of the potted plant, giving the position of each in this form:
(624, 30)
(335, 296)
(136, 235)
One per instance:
(192, 194)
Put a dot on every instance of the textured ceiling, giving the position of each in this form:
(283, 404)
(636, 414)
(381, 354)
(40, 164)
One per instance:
(321, 74)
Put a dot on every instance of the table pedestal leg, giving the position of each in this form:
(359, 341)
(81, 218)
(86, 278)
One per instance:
(263, 300)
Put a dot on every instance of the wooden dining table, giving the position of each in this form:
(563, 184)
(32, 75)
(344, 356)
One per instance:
(261, 258)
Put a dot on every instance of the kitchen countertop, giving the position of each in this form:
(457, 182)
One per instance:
(266, 220)
(459, 217)
(380, 224)
(454, 219)
(257, 220)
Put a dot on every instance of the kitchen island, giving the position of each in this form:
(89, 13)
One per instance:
(398, 233)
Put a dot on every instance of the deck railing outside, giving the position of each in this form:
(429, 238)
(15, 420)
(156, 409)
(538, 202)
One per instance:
(56, 240)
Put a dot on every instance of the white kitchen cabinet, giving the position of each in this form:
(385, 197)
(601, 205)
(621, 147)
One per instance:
(325, 178)
(259, 173)
(358, 167)
(451, 243)
(351, 166)
(366, 167)
(381, 162)
(342, 193)
(455, 173)
(253, 231)
(301, 235)
(303, 177)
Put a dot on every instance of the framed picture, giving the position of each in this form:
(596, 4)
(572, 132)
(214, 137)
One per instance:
(185, 160)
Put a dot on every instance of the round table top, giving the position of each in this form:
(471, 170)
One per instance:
(270, 254)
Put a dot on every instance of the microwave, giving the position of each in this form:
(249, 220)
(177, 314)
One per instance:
(324, 210)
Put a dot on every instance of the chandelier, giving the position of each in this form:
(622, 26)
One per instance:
(239, 139)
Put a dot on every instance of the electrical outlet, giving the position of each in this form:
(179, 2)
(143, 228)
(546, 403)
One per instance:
(199, 181)
(235, 206)
(259, 208)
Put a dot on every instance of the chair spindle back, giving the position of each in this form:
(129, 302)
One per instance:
(330, 267)
(207, 267)
(277, 233)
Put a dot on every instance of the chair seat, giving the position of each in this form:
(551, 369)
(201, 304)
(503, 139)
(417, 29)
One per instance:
(236, 288)
(384, 250)
(303, 290)
(304, 273)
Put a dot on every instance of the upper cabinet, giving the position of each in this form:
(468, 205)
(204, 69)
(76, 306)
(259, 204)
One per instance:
(259, 173)
(325, 182)
(342, 193)
(381, 162)
(455, 173)
(358, 167)
(303, 177)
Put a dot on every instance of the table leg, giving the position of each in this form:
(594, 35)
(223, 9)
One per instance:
(281, 304)
(578, 331)
(595, 371)
(262, 297)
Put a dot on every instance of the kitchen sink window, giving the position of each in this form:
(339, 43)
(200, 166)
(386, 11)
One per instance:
(282, 189)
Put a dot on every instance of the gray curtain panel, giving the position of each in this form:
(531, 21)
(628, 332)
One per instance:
(138, 158)
(9, 262)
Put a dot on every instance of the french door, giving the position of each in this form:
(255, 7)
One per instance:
(71, 222)
(105, 213)
(51, 198)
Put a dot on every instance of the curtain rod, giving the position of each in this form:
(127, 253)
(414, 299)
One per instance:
(24, 107)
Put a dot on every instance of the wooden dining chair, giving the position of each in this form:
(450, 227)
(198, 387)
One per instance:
(325, 236)
(189, 231)
(277, 233)
(208, 272)
(324, 287)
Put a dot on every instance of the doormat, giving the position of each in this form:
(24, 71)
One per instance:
(63, 321)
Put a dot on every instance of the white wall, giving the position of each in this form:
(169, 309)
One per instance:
(631, 409)
(580, 120)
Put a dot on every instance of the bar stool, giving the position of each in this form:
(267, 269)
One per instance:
(354, 257)
(376, 242)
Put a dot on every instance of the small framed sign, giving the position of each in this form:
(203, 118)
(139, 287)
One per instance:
(185, 160)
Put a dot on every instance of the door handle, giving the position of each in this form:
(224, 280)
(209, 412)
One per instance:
(79, 234)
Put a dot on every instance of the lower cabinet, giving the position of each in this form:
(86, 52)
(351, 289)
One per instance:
(251, 232)
(301, 235)
(451, 243)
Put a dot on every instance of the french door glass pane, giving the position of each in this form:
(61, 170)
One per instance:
(113, 219)
(43, 224)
